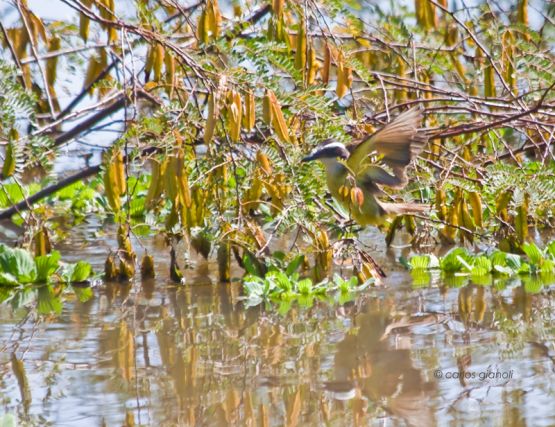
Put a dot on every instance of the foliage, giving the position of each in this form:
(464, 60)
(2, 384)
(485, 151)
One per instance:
(535, 266)
(19, 267)
(220, 105)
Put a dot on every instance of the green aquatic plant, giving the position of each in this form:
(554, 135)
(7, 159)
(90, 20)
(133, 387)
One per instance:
(534, 265)
(20, 267)
(284, 286)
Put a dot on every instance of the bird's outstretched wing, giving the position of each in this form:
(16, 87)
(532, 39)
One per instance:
(397, 144)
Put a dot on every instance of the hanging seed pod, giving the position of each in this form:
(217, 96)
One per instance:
(202, 30)
(42, 242)
(175, 272)
(278, 121)
(466, 220)
(344, 77)
(522, 12)
(118, 169)
(441, 204)
(156, 185)
(213, 18)
(158, 61)
(212, 118)
(169, 61)
(312, 66)
(300, 54)
(84, 21)
(8, 168)
(111, 188)
(449, 232)
(264, 162)
(170, 178)
(111, 270)
(327, 64)
(501, 204)
(451, 34)
(508, 57)
(476, 204)
(249, 118)
(459, 67)
(521, 220)
(147, 267)
(234, 112)
(489, 81)
(267, 108)
(357, 197)
(52, 63)
(184, 192)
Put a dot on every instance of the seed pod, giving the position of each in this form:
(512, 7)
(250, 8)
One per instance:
(42, 242)
(169, 61)
(212, 119)
(147, 267)
(202, 30)
(111, 271)
(300, 54)
(183, 184)
(278, 121)
(111, 188)
(508, 57)
(156, 185)
(448, 231)
(521, 220)
(97, 64)
(170, 178)
(234, 112)
(249, 118)
(213, 18)
(489, 81)
(158, 61)
(522, 15)
(466, 220)
(51, 63)
(119, 173)
(267, 108)
(451, 35)
(344, 78)
(357, 197)
(312, 66)
(440, 204)
(264, 162)
(476, 203)
(327, 64)
(8, 168)
(84, 21)
(501, 204)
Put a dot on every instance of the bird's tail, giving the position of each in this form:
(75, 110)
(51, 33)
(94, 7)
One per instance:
(405, 208)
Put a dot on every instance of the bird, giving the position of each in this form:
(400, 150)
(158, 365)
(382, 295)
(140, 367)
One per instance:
(356, 172)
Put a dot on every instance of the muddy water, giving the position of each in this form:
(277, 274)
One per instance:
(154, 354)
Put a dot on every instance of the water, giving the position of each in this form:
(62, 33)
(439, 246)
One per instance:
(154, 354)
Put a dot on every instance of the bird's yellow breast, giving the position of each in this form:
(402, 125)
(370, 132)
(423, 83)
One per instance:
(362, 206)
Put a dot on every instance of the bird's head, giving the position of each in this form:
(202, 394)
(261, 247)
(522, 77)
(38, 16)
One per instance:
(328, 150)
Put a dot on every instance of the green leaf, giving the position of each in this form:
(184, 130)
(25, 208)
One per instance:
(533, 252)
(453, 260)
(304, 286)
(294, 265)
(47, 265)
(7, 279)
(82, 272)
(19, 263)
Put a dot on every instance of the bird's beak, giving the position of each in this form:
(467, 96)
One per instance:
(308, 158)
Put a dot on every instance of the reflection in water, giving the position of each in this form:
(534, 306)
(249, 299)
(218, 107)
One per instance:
(152, 354)
(155, 355)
